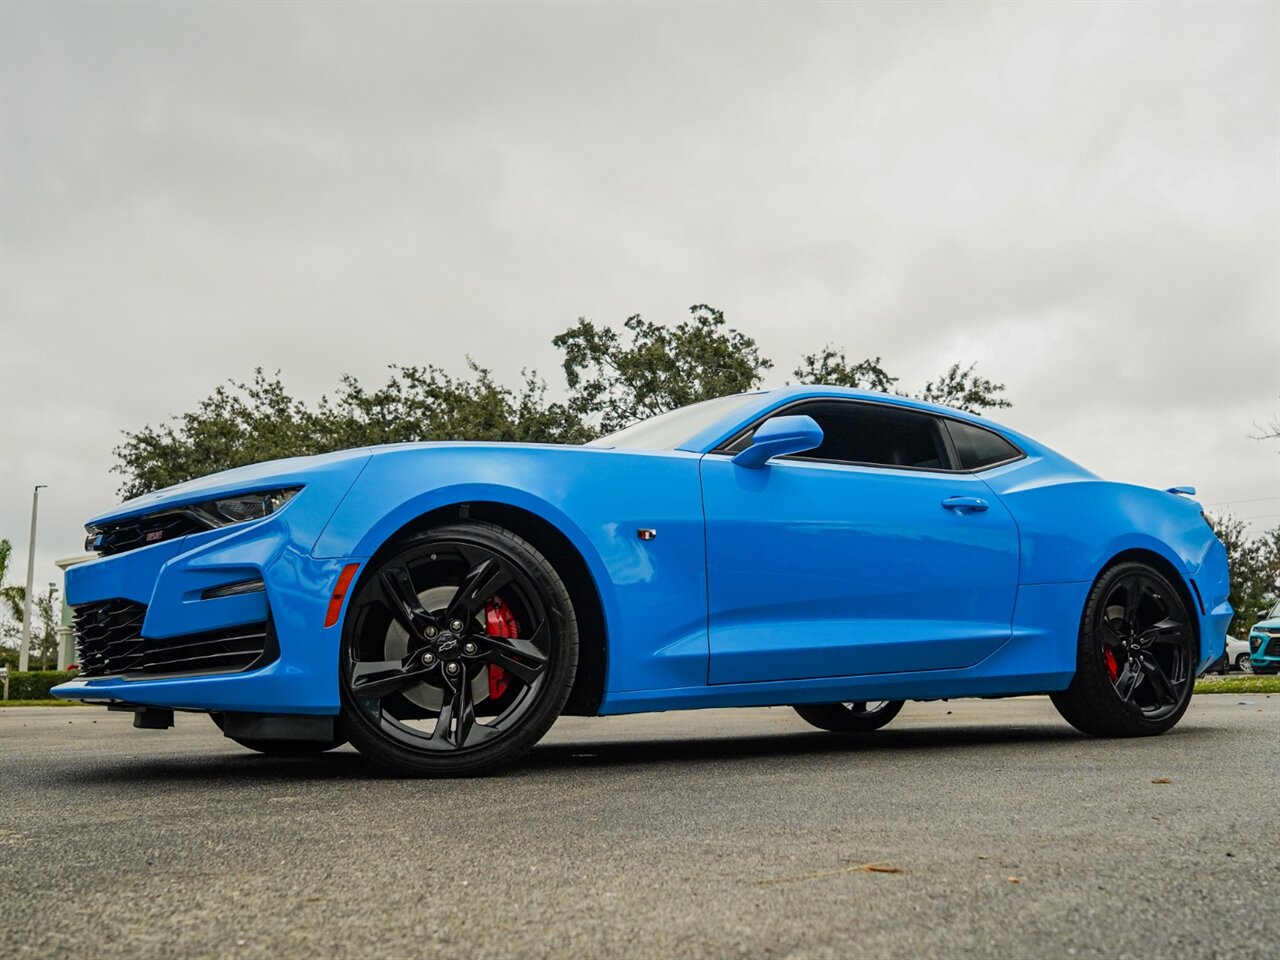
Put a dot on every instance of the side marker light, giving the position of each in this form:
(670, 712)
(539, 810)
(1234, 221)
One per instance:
(340, 593)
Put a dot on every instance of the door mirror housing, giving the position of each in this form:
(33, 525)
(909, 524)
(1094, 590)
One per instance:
(777, 438)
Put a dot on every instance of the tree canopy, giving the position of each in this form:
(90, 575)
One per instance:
(45, 617)
(612, 377)
(1255, 569)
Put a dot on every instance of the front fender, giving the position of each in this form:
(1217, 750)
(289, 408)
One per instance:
(652, 593)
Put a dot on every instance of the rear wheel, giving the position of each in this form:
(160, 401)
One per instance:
(1244, 663)
(458, 652)
(851, 717)
(1136, 656)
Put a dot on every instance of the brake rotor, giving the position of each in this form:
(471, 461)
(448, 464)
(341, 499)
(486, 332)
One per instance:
(499, 621)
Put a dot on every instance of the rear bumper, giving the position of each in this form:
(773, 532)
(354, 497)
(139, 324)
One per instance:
(1211, 586)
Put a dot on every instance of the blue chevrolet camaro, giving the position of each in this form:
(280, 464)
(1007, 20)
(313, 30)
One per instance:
(439, 605)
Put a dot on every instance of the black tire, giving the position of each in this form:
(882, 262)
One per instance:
(426, 606)
(1244, 663)
(284, 748)
(852, 717)
(1136, 656)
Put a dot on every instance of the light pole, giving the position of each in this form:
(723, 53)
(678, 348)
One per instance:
(24, 652)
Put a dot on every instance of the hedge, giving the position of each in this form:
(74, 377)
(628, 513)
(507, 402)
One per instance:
(35, 684)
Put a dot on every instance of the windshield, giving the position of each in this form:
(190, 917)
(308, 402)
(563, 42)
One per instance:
(668, 430)
(1275, 612)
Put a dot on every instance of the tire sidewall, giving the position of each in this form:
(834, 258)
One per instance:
(1091, 703)
(562, 666)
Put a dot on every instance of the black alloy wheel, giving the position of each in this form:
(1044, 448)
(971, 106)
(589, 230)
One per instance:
(1136, 657)
(851, 717)
(459, 652)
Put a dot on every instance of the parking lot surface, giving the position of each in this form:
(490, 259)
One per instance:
(969, 828)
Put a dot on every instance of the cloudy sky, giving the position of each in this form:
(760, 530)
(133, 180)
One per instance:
(1083, 198)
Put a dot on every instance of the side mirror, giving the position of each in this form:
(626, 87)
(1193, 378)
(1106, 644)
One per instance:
(777, 438)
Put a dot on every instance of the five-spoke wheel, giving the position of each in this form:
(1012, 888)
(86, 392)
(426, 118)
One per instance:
(459, 651)
(1137, 656)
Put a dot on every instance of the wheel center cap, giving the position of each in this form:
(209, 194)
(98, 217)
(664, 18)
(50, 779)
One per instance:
(447, 647)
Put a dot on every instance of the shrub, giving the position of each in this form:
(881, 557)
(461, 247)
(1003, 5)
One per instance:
(35, 684)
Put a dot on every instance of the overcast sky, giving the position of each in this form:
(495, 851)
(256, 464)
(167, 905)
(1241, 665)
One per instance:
(1083, 198)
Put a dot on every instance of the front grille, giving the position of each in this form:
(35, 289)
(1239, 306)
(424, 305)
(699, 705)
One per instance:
(143, 531)
(110, 643)
(109, 636)
(1273, 648)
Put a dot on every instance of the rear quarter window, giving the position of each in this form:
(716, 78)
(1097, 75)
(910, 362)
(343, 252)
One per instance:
(977, 447)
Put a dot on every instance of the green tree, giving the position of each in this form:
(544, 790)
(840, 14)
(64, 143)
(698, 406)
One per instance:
(242, 423)
(616, 379)
(964, 390)
(1255, 569)
(46, 618)
(613, 377)
(11, 608)
(958, 387)
(830, 366)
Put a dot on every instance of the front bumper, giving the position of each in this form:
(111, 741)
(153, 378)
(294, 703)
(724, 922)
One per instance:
(173, 579)
(1264, 652)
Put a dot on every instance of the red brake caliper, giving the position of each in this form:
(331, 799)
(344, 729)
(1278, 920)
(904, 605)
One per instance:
(1109, 658)
(499, 622)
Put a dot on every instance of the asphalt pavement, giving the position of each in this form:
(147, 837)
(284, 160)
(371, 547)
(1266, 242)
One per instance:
(964, 829)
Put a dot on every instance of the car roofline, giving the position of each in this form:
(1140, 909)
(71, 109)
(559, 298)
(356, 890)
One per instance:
(711, 437)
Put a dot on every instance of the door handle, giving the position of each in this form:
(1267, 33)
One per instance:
(975, 504)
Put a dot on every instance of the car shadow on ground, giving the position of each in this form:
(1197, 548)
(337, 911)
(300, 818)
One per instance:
(550, 758)
(780, 746)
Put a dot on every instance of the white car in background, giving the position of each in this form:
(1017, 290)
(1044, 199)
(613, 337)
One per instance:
(1235, 657)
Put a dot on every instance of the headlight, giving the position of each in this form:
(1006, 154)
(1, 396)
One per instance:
(174, 522)
(250, 506)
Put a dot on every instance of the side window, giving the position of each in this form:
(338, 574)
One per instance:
(977, 448)
(875, 434)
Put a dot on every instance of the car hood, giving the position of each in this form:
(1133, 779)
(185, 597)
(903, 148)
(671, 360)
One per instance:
(297, 471)
(1273, 624)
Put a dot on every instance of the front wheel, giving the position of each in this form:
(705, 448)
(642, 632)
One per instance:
(1244, 663)
(1136, 656)
(851, 717)
(458, 652)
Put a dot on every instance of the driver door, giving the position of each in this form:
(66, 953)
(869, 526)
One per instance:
(855, 558)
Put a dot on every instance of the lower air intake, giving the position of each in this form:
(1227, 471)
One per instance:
(110, 643)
